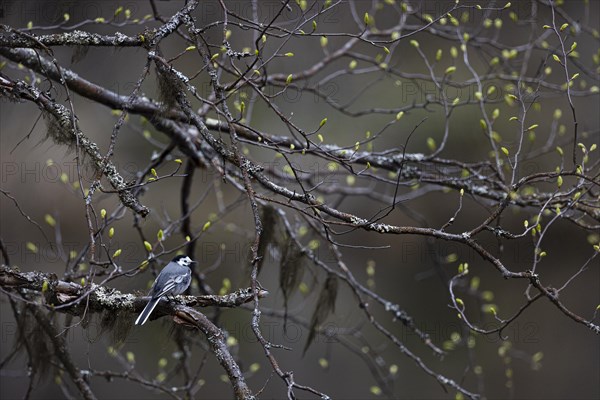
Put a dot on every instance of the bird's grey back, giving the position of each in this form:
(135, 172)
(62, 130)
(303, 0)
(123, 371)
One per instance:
(182, 276)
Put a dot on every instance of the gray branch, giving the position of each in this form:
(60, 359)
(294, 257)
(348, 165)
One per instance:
(74, 38)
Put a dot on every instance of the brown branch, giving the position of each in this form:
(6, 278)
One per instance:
(216, 339)
(494, 191)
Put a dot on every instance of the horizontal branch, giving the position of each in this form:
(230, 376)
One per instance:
(74, 38)
(102, 298)
(495, 191)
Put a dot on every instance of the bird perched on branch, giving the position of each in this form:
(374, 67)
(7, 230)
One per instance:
(173, 280)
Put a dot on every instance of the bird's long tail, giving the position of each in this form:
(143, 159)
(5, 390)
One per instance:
(145, 314)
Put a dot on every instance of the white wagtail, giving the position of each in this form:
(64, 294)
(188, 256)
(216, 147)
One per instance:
(174, 279)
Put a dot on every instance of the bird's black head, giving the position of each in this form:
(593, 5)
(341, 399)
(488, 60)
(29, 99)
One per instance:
(183, 260)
